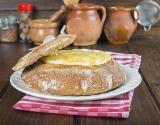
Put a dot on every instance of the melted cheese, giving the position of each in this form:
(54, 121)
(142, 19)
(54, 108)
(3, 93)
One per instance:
(77, 57)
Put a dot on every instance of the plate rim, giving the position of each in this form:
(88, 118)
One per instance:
(100, 96)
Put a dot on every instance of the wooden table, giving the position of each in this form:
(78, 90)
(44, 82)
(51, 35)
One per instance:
(146, 101)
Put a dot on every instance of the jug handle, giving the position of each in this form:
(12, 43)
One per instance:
(138, 14)
(103, 9)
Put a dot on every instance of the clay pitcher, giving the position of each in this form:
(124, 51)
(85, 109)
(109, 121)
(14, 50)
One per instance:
(120, 24)
(84, 21)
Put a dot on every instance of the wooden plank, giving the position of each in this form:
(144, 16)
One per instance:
(143, 112)
(149, 48)
(9, 54)
(153, 33)
(10, 116)
(38, 4)
(35, 15)
(55, 4)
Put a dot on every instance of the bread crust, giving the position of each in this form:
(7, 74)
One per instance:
(74, 79)
(49, 48)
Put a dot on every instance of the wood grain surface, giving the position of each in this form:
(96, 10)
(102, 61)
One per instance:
(8, 59)
(145, 105)
(55, 4)
(149, 49)
(145, 109)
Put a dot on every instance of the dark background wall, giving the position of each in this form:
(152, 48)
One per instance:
(44, 8)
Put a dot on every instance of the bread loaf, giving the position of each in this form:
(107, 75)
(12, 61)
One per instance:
(65, 77)
(69, 72)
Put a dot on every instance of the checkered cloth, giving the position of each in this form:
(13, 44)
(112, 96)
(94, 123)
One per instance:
(114, 107)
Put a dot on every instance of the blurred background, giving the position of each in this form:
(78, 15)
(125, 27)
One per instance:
(44, 8)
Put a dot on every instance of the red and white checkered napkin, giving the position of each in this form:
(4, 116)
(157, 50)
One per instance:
(114, 107)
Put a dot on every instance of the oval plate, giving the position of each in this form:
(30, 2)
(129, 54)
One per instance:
(133, 79)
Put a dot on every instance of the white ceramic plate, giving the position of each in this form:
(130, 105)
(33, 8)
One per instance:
(133, 79)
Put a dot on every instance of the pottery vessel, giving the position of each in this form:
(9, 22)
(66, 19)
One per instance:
(40, 28)
(120, 24)
(84, 21)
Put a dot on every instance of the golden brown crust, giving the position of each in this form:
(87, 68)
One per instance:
(49, 48)
(74, 79)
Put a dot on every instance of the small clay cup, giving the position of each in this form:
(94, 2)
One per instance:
(40, 28)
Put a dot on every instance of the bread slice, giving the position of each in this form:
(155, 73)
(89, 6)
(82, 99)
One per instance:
(49, 48)
(74, 73)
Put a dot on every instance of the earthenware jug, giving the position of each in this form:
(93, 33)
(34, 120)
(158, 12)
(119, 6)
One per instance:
(84, 21)
(120, 24)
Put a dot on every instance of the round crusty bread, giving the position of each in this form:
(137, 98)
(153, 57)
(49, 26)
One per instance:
(74, 79)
